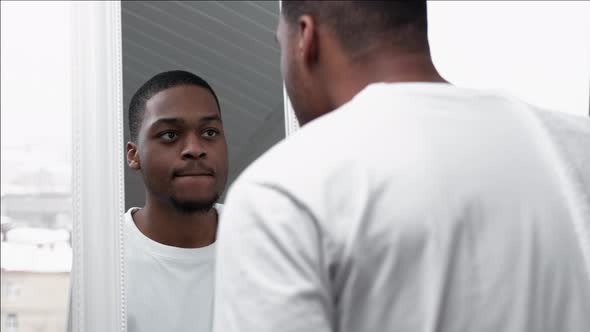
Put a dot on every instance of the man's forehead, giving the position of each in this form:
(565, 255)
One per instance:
(182, 118)
(182, 94)
(192, 115)
(179, 110)
(186, 117)
(197, 102)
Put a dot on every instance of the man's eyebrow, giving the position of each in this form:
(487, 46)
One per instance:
(173, 121)
(179, 121)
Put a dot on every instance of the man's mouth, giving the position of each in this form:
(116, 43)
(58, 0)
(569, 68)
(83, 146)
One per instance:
(189, 173)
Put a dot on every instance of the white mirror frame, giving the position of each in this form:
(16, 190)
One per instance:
(291, 123)
(98, 285)
(98, 301)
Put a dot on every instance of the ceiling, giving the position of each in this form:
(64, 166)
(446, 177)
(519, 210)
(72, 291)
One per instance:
(231, 45)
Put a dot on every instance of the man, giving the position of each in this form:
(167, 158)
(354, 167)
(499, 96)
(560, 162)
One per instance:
(178, 145)
(403, 203)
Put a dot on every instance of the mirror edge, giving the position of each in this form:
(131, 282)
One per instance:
(291, 123)
(98, 281)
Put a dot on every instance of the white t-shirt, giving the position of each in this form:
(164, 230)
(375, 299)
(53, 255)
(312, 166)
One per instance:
(414, 207)
(168, 288)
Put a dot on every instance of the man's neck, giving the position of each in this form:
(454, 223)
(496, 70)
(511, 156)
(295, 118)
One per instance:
(163, 223)
(386, 68)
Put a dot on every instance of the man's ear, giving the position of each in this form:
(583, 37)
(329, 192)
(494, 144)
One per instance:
(133, 156)
(307, 40)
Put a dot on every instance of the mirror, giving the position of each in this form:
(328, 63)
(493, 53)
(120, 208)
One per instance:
(230, 45)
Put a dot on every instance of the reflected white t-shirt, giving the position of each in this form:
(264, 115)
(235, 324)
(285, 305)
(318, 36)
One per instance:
(168, 288)
(414, 207)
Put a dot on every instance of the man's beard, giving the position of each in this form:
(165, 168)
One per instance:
(190, 207)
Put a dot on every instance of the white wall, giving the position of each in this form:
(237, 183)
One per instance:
(536, 50)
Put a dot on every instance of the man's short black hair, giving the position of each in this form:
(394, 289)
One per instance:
(360, 25)
(160, 82)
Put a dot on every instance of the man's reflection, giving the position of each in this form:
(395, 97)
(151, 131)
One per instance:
(178, 145)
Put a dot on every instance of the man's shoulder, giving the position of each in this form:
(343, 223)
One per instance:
(571, 135)
(310, 150)
(570, 132)
(561, 123)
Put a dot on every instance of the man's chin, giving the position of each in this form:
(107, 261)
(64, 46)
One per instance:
(190, 206)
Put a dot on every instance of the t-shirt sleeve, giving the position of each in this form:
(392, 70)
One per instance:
(269, 265)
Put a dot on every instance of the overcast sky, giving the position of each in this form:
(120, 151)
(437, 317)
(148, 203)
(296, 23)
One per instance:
(35, 78)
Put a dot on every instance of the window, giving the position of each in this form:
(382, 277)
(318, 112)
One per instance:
(11, 323)
(11, 291)
(36, 167)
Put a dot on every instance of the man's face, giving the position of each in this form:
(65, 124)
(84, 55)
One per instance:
(182, 149)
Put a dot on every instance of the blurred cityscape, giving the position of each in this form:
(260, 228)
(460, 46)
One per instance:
(36, 252)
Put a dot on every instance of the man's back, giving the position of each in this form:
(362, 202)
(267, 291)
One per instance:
(414, 207)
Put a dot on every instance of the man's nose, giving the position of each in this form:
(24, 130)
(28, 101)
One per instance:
(193, 148)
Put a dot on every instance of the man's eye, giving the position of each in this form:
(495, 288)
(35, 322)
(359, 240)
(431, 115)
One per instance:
(169, 135)
(210, 133)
